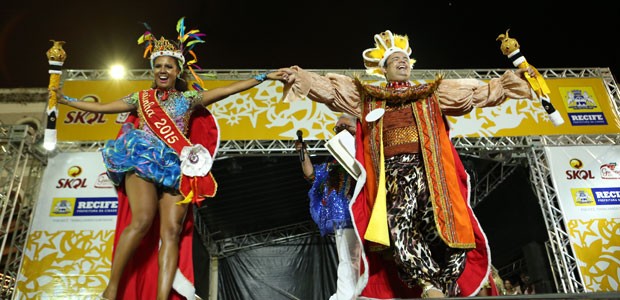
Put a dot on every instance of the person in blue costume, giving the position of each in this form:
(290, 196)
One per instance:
(330, 193)
(156, 163)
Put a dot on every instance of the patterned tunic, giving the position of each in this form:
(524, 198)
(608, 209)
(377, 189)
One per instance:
(139, 150)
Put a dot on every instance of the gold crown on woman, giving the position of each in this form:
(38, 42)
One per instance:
(164, 47)
(186, 41)
(386, 43)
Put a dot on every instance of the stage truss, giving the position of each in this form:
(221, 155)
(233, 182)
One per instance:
(22, 164)
(21, 168)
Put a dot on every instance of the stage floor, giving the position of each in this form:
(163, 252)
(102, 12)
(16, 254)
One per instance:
(601, 296)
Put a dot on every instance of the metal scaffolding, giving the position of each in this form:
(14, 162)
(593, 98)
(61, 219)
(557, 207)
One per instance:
(22, 166)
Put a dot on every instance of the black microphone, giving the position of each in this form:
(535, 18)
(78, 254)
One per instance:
(301, 140)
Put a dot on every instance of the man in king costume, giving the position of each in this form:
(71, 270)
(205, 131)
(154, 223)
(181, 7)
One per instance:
(417, 231)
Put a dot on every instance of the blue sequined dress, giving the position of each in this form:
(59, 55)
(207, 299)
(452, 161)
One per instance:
(329, 197)
(141, 151)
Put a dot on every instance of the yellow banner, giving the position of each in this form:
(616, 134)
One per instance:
(584, 104)
(258, 114)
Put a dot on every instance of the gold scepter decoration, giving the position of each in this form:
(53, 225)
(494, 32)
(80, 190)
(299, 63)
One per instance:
(56, 57)
(510, 47)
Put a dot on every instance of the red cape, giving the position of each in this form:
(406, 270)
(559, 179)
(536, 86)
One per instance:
(139, 280)
(383, 281)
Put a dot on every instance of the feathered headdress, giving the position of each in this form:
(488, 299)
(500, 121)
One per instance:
(386, 43)
(186, 41)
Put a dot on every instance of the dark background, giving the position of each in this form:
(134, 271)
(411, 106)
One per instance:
(312, 34)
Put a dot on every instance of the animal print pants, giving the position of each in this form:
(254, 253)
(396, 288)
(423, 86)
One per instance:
(422, 256)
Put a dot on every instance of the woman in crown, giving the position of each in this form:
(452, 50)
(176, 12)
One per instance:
(161, 161)
(412, 216)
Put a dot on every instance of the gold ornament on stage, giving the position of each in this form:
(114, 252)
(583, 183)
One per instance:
(56, 53)
(511, 48)
(56, 56)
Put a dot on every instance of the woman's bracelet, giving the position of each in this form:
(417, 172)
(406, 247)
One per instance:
(261, 77)
(69, 99)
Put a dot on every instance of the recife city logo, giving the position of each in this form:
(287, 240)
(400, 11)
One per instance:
(82, 206)
(594, 196)
(582, 107)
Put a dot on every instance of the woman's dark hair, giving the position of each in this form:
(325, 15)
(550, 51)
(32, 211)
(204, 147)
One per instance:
(182, 82)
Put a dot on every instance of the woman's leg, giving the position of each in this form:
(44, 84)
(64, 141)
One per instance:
(142, 197)
(171, 217)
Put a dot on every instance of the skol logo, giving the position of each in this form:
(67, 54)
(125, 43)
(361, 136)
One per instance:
(74, 171)
(576, 163)
(578, 174)
(74, 182)
(82, 117)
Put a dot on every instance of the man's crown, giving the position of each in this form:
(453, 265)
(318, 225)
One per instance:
(386, 43)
